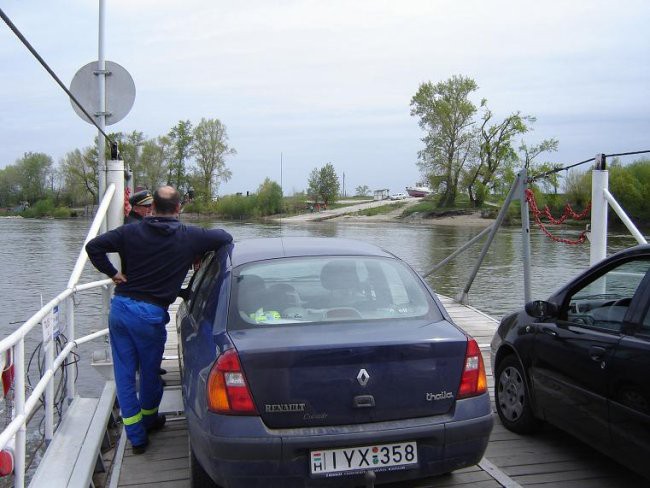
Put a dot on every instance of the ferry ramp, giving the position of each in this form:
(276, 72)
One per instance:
(549, 459)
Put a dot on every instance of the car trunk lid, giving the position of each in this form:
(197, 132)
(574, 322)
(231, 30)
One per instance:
(351, 373)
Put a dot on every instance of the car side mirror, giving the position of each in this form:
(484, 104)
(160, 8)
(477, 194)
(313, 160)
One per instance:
(541, 309)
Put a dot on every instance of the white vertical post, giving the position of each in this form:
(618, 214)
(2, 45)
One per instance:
(19, 406)
(115, 176)
(49, 393)
(115, 214)
(70, 333)
(598, 234)
(101, 80)
(525, 234)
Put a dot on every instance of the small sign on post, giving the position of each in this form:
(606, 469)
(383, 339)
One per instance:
(51, 326)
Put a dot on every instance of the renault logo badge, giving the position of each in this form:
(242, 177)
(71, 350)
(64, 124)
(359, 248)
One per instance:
(363, 377)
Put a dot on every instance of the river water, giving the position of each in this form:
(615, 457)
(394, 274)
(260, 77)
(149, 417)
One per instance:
(37, 257)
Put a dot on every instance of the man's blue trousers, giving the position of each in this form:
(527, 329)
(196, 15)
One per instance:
(138, 335)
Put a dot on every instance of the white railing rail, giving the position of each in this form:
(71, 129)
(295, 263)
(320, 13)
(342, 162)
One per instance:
(14, 436)
(624, 218)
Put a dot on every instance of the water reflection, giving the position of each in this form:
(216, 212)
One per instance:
(37, 257)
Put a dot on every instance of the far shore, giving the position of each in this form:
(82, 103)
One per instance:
(471, 219)
(351, 214)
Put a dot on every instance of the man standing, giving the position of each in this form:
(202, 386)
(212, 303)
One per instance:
(140, 207)
(156, 256)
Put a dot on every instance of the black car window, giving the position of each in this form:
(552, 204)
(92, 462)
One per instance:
(202, 294)
(197, 276)
(305, 290)
(603, 303)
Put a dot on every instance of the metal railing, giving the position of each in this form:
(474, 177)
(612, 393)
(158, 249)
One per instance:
(14, 436)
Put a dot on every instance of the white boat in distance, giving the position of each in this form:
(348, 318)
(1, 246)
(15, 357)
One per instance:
(418, 190)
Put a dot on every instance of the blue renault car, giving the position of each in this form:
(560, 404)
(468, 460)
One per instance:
(324, 362)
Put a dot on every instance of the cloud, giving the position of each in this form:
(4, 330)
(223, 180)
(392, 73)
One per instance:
(332, 81)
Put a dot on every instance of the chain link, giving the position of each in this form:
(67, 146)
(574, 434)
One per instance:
(568, 212)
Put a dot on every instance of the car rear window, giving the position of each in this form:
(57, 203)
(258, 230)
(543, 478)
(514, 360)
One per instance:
(327, 289)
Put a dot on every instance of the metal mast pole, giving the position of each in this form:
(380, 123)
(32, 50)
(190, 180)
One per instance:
(101, 80)
(525, 234)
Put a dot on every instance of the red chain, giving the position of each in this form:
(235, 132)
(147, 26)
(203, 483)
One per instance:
(568, 212)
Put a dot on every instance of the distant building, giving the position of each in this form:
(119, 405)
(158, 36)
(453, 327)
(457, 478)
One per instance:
(382, 194)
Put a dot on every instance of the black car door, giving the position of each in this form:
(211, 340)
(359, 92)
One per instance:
(630, 387)
(571, 362)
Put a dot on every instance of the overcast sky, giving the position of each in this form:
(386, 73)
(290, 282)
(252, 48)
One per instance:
(331, 80)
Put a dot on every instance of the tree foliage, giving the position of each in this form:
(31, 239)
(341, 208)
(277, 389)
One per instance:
(269, 198)
(211, 147)
(495, 152)
(80, 175)
(362, 191)
(323, 184)
(181, 138)
(629, 184)
(468, 150)
(28, 180)
(446, 115)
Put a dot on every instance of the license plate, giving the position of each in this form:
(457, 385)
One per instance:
(378, 457)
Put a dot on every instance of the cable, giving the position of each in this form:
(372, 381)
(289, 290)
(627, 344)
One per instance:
(627, 153)
(52, 73)
(557, 170)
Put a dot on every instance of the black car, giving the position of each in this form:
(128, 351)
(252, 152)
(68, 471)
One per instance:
(581, 360)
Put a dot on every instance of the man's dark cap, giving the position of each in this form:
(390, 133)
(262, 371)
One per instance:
(143, 197)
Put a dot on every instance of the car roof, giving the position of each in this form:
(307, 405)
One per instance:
(249, 250)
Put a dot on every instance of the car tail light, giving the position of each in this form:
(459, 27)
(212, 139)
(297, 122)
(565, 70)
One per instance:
(473, 382)
(228, 392)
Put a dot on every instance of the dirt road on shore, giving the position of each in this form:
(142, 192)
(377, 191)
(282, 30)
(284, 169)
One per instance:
(350, 214)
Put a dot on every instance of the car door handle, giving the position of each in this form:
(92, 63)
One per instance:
(549, 331)
(597, 353)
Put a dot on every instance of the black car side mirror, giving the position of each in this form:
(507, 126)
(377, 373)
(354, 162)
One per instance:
(541, 309)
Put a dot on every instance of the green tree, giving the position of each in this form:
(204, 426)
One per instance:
(211, 148)
(362, 191)
(131, 150)
(494, 151)
(153, 163)
(269, 198)
(630, 185)
(323, 184)
(9, 186)
(577, 187)
(528, 156)
(445, 114)
(79, 171)
(181, 137)
(34, 170)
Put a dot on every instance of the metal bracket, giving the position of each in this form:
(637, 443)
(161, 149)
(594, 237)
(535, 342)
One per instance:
(105, 114)
(104, 72)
